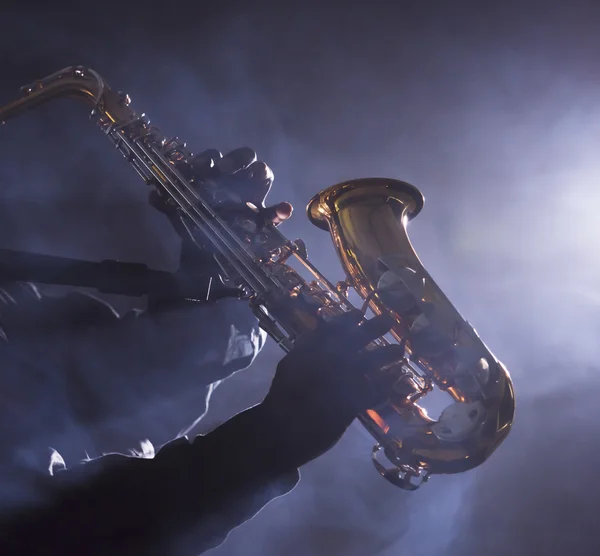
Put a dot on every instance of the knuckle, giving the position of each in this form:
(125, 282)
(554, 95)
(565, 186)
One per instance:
(238, 159)
(258, 170)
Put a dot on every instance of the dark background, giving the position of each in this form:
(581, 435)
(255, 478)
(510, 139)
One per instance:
(491, 108)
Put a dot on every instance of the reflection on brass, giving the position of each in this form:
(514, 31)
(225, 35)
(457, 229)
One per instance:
(367, 220)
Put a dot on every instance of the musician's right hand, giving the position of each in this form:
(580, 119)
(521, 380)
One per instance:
(324, 383)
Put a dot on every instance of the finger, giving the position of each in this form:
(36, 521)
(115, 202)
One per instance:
(163, 205)
(370, 330)
(336, 332)
(156, 200)
(342, 323)
(374, 360)
(259, 171)
(278, 213)
(328, 327)
(206, 160)
(379, 389)
(378, 380)
(236, 160)
(255, 182)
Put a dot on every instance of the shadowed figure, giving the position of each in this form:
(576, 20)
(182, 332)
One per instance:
(189, 496)
(116, 372)
(81, 380)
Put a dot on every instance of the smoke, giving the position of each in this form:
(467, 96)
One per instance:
(493, 112)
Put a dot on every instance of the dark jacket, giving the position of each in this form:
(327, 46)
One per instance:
(79, 379)
(181, 502)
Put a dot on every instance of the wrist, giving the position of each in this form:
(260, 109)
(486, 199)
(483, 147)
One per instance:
(254, 439)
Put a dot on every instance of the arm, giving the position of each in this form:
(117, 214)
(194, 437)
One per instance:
(143, 375)
(113, 381)
(182, 338)
(182, 502)
(232, 339)
(227, 330)
(189, 497)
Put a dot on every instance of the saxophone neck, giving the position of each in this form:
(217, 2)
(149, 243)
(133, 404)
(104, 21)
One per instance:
(77, 82)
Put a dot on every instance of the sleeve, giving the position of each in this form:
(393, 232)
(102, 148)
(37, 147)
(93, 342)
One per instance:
(143, 375)
(226, 326)
(182, 502)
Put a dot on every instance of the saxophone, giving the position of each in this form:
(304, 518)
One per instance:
(367, 220)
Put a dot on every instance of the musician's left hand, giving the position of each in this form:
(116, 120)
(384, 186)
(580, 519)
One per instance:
(242, 174)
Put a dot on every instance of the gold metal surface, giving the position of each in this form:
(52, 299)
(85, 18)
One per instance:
(367, 219)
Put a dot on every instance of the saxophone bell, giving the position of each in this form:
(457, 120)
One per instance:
(367, 220)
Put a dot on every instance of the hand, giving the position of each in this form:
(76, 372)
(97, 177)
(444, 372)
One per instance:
(324, 383)
(242, 174)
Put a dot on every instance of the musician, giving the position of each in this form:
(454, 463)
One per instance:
(187, 498)
(78, 380)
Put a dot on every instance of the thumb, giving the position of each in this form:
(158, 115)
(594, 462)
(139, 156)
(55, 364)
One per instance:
(159, 202)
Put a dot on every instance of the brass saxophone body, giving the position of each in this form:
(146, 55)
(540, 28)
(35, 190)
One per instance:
(367, 220)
